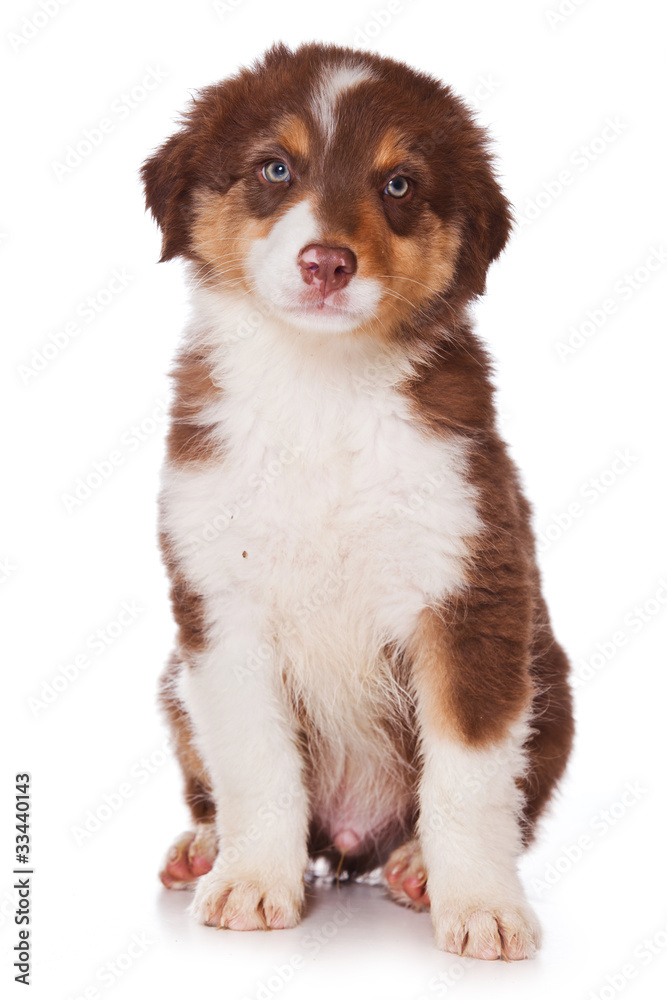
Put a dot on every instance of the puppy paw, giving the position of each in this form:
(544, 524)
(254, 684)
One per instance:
(405, 876)
(191, 855)
(249, 905)
(510, 933)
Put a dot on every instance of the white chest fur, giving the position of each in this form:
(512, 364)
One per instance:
(330, 496)
(329, 524)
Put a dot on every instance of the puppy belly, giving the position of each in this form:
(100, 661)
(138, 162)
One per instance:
(366, 814)
(352, 828)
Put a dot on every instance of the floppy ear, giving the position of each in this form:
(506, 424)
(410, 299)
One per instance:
(166, 177)
(473, 193)
(487, 227)
(193, 157)
(487, 220)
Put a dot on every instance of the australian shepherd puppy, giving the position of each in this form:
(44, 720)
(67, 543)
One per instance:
(364, 671)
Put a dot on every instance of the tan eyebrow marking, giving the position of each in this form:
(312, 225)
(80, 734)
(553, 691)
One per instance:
(390, 151)
(293, 135)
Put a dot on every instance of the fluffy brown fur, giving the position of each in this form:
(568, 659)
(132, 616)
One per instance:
(478, 660)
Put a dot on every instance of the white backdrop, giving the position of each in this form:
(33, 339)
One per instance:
(572, 90)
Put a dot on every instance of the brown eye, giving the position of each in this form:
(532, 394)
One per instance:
(397, 187)
(276, 172)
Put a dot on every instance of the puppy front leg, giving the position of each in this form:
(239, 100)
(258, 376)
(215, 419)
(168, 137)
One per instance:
(244, 734)
(473, 695)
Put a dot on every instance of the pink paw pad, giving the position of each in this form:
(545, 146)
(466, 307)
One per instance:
(406, 877)
(190, 856)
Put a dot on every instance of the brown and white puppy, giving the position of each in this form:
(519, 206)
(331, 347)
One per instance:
(365, 667)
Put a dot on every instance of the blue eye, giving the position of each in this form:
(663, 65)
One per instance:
(276, 171)
(397, 187)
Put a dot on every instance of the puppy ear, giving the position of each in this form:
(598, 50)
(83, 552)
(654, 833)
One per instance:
(166, 178)
(487, 226)
(470, 192)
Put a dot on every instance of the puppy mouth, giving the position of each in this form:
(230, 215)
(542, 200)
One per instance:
(309, 304)
(322, 306)
(333, 315)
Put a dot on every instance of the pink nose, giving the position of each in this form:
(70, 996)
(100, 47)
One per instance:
(328, 268)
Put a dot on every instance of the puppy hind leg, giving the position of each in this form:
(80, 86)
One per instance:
(405, 876)
(192, 854)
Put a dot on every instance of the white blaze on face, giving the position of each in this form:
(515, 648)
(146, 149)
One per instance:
(273, 266)
(335, 81)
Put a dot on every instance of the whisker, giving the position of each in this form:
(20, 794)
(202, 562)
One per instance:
(192, 279)
(229, 283)
(378, 320)
(402, 277)
(214, 260)
(232, 263)
(440, 294)
(398, 295)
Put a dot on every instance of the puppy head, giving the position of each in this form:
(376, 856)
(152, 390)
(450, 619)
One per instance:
(340, 188)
